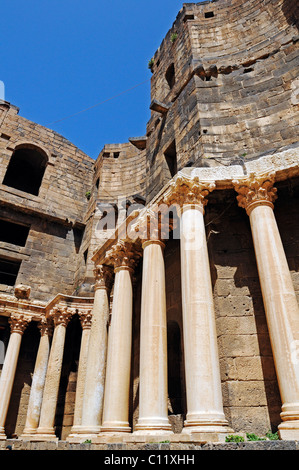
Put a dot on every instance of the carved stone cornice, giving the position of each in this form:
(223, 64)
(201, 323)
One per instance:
(256, 190)
(18, 323)
(103, 276)
(45, 326)
(85, 318)
(124, 254)
(185, 190)
(61, 316)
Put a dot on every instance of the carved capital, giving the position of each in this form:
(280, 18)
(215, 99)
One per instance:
(104, 276)
(61, 316)
(45, 327)
(124, 254)
(188, 190)
(256, 190)
(18, 323)
(85, 319)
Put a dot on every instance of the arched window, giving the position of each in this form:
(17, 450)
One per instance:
(26, 169)
(170, 76)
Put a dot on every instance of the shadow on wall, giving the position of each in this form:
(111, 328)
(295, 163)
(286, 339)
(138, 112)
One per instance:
(290, 9)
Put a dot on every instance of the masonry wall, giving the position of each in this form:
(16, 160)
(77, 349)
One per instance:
(234, 92)
(52, 259)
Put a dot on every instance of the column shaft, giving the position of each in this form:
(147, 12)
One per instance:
(117, 386)
(37, 386)
(281, 310)
(18, 325)
(203, 384)
(92, 407)
(7, 377)
(45, 429)
(153, 391)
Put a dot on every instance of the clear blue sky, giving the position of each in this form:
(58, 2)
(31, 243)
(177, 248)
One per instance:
(59, 57)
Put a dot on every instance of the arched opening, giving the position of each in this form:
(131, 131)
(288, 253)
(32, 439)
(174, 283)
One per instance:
(26, 169)
(170, 76)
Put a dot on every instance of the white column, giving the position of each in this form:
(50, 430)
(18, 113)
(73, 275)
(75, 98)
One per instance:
(18, 324)
(92, 407)
(153, 386)
(282, 312)
(38, 381)
(117, 385)
(86, 320)
(45, 430)
(202, 371)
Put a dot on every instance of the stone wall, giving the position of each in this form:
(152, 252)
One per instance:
(51, 259)
(235, 75)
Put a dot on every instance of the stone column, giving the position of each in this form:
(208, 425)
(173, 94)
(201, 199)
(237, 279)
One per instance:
(117, 386)
(202, 371)
(18, 324)
(92, 406)
(45, 430)
(153, 385)
(86, 320)
(38, 381)
(257, 195)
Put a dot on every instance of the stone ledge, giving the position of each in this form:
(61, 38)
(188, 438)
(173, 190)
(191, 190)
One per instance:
(17, 444)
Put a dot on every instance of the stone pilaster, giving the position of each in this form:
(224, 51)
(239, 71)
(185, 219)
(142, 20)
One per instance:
(257, 195)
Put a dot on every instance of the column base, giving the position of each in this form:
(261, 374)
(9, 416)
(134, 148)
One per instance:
(115, 428)
(289, 431)
(210, 424)
(151, 426)
(3, 436)
(81, 434)
(44, 434)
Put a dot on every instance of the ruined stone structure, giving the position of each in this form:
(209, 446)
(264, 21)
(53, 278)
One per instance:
(153, 293)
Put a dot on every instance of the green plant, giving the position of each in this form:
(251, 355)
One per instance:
(88, 195)
(234, 438)
(272, 436)
(173, 37)
(254, 437)
(151, 64)
(88, 441)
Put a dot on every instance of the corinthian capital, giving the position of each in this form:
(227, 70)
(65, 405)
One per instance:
(123, 254)
(18, 323)
(103, 275)
(256, 190)
(45, 327)
(85, 319)
(61, 316)
(188, 190)
(154, 223)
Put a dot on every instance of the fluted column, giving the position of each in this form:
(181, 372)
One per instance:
(38, 381)
(153, 385)
(86, 320)
(257, 195)
(92, 407)
(18, 324)
(45, 430)
(202, 371)
(117, 385)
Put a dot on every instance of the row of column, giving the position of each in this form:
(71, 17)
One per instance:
(102, 398)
